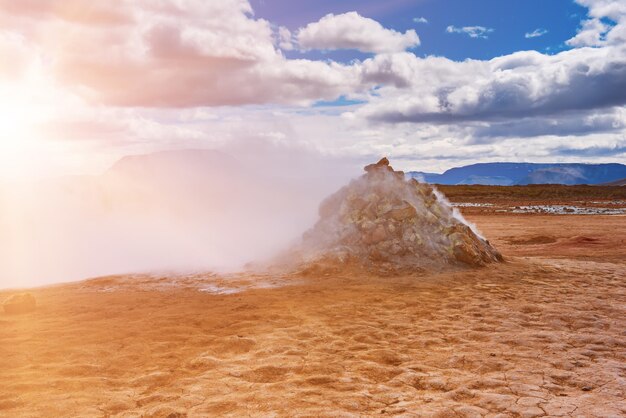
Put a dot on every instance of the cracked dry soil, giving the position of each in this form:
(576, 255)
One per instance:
(540, 335)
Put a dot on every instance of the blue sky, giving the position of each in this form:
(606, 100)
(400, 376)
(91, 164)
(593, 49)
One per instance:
(509, 19)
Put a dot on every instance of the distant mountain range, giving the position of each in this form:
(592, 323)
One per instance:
(508, 174)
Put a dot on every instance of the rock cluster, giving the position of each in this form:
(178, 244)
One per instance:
(382, 222)
(20, 303)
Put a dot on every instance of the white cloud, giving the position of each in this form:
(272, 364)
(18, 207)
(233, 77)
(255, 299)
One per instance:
(612, 9)
(353, 31)
(285, 39)
(571, 124)
(592, 33)
(172, 54)
(141, 61)
(471, 31)
(13, 45)
(420, 20)
(523, 84)
(536, 33)
(606, 24)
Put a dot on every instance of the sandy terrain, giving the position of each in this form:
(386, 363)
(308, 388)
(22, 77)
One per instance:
(541, 335)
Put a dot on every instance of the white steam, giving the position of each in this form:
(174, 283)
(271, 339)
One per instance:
(456, 213)
(174, 211)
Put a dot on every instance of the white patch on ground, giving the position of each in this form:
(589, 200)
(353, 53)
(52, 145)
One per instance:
(568, 210)
(605, 202)
(218, 290)
(202, 282)
(471, 205)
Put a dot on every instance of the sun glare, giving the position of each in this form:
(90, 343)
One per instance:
(21, 111)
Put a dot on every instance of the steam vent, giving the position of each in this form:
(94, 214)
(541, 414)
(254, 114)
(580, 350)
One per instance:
(383, 223)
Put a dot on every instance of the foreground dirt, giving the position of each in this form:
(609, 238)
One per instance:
(541, 335)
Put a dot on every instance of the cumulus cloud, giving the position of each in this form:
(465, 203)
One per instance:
(605, 25)
(285, 39)
(576, 124)
(532, 94)
(420, 20)
(353, 31)
(536, 33)
(592, 33)
(154, 67)
(196, 53)
(471, 31)
(159, 53)
(594, 151)
(14, 46)
(522, 84)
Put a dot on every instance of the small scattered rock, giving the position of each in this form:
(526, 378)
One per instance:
(402, 213)
(20, 303)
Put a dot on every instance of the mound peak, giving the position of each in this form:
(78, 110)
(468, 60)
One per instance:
(383, 223)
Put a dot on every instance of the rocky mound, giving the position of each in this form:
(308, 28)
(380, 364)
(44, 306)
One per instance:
(20, 303)
(383, 223)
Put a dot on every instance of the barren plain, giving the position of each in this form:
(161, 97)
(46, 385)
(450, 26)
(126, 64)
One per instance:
(540, 335)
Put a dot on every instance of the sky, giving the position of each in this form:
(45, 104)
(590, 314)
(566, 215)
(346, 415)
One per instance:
(431, 84)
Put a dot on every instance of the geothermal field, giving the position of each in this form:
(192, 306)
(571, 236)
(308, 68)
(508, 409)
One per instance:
(391, 304)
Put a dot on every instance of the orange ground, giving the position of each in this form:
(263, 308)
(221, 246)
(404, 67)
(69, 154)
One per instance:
(541, 335)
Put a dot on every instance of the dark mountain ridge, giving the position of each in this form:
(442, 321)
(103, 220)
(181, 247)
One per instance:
(508, 174)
